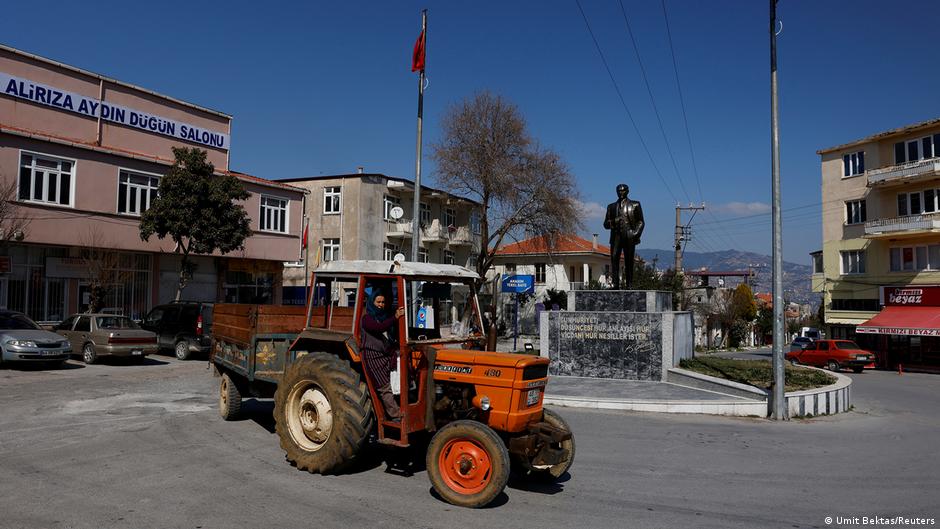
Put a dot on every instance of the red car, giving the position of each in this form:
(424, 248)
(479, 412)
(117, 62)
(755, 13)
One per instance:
(834, 355)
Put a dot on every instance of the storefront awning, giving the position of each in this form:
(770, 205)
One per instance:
(906, 321)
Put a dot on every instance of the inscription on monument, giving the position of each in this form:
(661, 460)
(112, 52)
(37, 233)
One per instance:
(606, 345)
(585, 327)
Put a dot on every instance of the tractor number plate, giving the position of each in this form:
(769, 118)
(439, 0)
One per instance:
(532, 397)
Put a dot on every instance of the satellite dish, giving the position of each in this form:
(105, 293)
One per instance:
(397, 212)
(399, 257)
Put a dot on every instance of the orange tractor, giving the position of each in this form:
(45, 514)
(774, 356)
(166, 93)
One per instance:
(483, 408)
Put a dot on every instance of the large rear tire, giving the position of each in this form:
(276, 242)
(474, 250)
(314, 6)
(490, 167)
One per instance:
(323, 413)
(230, 399)
(554, 472)
(468, 464)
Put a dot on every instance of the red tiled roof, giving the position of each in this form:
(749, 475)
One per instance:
(767, 298)
(562, 244)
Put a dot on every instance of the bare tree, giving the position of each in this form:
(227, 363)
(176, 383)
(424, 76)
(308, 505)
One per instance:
(13, 220)
(486, 154)
(103, 265)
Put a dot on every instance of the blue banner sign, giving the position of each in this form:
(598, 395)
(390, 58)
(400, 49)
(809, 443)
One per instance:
(520, 284)
(94, 108)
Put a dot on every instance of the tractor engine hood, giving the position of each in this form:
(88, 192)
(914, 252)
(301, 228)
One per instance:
(489, 368)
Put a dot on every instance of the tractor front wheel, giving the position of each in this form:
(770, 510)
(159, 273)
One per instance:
(553, 472)
(322, 412)
(468, 464)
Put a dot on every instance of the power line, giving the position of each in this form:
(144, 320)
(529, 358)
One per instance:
(623, 102)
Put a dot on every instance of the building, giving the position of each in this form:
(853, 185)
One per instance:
(880, 261)
(567, 263)
(82, 156)
(351, 216)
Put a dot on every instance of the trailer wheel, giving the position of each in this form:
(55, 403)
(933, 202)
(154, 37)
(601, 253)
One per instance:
(230, 399)
(553, 472)
(323, 413)
(468, 464)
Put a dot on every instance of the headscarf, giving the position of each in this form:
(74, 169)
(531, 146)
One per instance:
(378, 314)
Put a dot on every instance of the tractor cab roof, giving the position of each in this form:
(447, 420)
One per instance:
(405, 268)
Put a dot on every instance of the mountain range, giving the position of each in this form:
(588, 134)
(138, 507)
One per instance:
(796, 277)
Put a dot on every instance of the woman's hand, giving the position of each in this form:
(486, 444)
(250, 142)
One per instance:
(399, 312)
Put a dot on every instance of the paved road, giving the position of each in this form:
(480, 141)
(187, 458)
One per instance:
(142, 446)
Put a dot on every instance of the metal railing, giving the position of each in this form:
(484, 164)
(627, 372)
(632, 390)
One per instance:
(904, 170)
(924, 221)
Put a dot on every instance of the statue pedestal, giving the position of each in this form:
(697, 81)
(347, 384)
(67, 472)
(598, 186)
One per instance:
(620, 334)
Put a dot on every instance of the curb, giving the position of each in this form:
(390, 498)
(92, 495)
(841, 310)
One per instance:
(735, 408)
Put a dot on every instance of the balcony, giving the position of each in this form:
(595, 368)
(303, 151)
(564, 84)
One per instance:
(433, 232)
(905, 172)
(461, 236)
(400, 230)
(911, 225)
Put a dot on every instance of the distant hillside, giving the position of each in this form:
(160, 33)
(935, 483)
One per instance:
(796, 277)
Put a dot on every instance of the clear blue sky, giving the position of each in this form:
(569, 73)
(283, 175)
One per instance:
(321, 88)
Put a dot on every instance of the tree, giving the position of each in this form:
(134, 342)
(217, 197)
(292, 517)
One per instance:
(13, 221)
(196, 208)
(743, 304)
(486, 153)
(103, 266)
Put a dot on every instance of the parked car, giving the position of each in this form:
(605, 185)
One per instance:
(834, 355)
(182, 326)
(800, 343)
(97, 335)
(21, 339)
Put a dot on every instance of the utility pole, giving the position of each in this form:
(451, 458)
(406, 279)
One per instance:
(683, 233)
(778, 400)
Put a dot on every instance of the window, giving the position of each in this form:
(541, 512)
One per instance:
(853, 164)
(332, 200)
(136, 191)
(911, 258)
(389, 203)
(817, 263)
(916, 149)
(856, 304)
(855, 212)
(475, 224)
(448, 257)
(389, 251)
(853, 262)
(425, 217)
(422, 255)
(450, 217)
(330, 250)
(273, 214)
(45, 179)
(918, 202)
(83, 325)
(540, 273)
(510, 268)
(248, 287)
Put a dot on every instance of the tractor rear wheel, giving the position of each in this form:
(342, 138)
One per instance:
(553, 472)
(322, 413)
(468, 464)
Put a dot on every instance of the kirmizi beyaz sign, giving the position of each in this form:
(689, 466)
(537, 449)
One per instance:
(92, 107)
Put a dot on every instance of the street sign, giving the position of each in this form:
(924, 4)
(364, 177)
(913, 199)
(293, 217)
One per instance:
(519, 284)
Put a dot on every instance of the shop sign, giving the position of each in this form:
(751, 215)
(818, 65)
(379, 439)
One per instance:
(519, 284)
(71, 267)
(92, 107)
(5, 264)
(900, 331)
(911, 296)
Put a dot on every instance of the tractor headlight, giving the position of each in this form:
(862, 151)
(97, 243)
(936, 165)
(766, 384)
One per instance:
(485, 403)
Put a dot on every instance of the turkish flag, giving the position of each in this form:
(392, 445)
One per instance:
(417, 58)
(304, 240)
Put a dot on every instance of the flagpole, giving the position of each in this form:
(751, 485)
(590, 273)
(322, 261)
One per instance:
(416, 210)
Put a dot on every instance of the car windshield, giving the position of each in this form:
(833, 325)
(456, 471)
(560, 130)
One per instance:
(115, 323)
(845, 344)
(10, 322)
(443, 310)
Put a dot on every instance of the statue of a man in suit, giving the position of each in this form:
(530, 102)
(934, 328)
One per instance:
(625, 221)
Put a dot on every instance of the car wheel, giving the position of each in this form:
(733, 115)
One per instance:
(89, 356)
(832, 365)
(182, 350)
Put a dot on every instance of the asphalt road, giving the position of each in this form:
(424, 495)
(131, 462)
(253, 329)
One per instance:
(142, 446)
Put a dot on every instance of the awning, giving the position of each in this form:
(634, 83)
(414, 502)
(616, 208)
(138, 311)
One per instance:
(906, 321)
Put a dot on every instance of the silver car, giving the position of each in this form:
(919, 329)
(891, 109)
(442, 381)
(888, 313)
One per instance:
(97, 335)
(22, 340)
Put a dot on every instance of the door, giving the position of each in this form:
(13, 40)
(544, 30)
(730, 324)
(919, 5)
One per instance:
(822, 353)
(806, 355)
(80, 333)
(65, 329)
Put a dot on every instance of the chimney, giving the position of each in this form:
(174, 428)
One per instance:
(359, 169)
(595, 242)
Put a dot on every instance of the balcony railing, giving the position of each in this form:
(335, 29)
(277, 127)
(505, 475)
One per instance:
(461, 236)
(433, 232)
(905, 170)
(401, 228)
(926, 221)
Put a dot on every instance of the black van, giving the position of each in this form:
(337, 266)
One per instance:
(183, 326)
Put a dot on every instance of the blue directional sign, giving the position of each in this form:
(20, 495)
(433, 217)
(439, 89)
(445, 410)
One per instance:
(520, 284)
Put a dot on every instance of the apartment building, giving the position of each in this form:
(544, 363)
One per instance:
(350, 216)
(879, 268)
(83, 155)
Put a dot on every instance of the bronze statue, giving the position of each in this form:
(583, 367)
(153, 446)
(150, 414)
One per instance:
(625, 221)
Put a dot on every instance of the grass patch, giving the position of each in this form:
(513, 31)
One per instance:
(757, 373)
